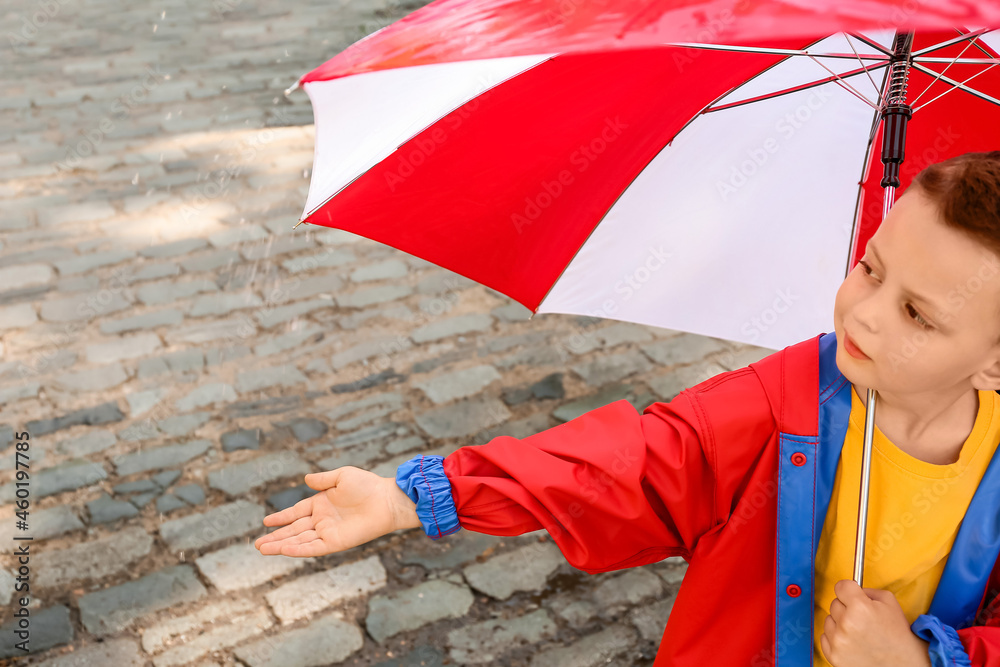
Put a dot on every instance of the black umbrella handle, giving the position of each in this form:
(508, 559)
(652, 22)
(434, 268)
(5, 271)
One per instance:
(895, 111)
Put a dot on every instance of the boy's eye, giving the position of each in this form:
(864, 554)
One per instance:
(916, 316)
(865, 267)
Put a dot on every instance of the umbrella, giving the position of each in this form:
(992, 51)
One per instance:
(711, 166)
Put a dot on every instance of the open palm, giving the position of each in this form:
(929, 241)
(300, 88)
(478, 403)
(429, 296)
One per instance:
(351, 508)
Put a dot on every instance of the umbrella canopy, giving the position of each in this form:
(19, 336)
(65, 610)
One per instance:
(710, 167)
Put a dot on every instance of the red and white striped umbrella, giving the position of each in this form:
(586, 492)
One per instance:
(710, 166)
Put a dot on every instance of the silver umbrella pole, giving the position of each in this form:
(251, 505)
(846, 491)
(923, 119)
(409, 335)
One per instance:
(895, 115)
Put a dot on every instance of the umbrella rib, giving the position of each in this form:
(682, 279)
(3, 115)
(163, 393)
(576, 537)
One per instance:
(862, 63)
(767, 51)
(793, 89)
(971, 42)
(978, 45)
(949, 42)
(960, 61)
(958, 85)
(875, 45)
(848, 87)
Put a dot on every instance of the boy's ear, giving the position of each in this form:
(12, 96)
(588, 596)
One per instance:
(988, 378)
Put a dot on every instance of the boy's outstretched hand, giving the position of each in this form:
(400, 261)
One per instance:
(353, 506)
(867, 628)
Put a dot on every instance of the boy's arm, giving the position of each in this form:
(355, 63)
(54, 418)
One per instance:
(614, 488)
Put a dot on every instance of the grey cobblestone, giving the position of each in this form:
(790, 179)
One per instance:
(524, 569)
(93, 261)
(239, 478)
(125, 347)
(325, 640)
(458, 384)
(160, 457)
(159, 318)
(117, 608)
(415, 607)
(92, 560)
(241, 566)
(198, 531)
(486, 641)
(313, 593)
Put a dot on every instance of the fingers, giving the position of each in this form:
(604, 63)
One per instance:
(301, 509)
(300, 525)
(282, 547)
(321, 481)
(837, 609)
(848, 591)
(310, 549)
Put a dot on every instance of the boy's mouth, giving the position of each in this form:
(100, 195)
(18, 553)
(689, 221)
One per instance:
(853, 349)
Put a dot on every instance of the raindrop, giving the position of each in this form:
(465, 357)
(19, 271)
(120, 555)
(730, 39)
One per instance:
(154, 27)
(135, 179)
(170, 115)
(305, 173)
(163, 14)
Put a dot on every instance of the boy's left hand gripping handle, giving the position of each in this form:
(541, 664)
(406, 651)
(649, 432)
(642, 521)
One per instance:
(422, 478)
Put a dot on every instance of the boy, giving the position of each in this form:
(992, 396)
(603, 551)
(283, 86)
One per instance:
(753, 475)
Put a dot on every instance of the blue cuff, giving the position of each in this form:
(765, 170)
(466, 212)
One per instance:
(946, 649)
(422, 478)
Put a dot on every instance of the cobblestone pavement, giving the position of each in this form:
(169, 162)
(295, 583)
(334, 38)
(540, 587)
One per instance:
(181, 358)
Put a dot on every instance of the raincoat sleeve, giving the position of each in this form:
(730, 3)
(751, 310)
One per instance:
(613, 487)
(974, 646)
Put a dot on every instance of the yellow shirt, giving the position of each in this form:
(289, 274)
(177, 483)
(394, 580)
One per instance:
(914, 512)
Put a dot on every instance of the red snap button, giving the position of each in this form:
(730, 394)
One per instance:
(793, 590)
(799, 459)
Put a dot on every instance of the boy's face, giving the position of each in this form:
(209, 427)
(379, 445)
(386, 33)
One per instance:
(909, 345)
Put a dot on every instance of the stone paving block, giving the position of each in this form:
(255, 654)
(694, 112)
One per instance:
(385, 270)
(206, 394)
(289, 341)
(160, 457)
(92, 560)
(577, 613)
(66, 476)
(327, 640)
(453, 326)
(458, 549)
(46, 523)
(210, 261)
(106, 509)
(241, 439)
(331, 258)
(18, 316)
(264, 378)
(312, 593)
(271, 316)
(77, 213)
(192, 494)
(607, 395)
(197, 531)
(91, 442)
(486, 641)
(49, 627)
(238, 478)
(168, 503)
(237, 328)
(115, 609)
(422, 656)
(683, 349)
(458, 384)
(651, 619)
(415, 607)
(384, 404)
(92, 261)
(85, 306)
(628, 588)
(118, 652)
(612, 368)
(92, 379)
(78, 283)
(25, 275)
(125, 347)
(223, 304)
(239, 234)
(174, 249)
(463, 417)
(524, 569)
(274, 246)
(16, 393)
(383, 347)
(159, 318)
(184, 360)
(176, 630)
(370, 296)
(667, 386)
(218, 637)
(593, 650)
(141, 402)
(154, 271)
(183, 425)
(169, 291)
(242, 566)
(100, 414)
